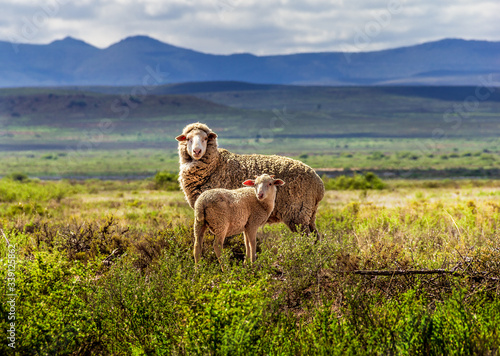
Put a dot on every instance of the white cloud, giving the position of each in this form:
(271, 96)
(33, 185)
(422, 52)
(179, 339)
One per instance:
(270, 27)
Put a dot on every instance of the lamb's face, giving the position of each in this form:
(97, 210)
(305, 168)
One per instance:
(265, 186)
(196, 142)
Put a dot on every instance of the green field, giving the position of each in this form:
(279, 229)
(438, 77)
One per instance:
(106, 267)
(105, 132)
(466, 157)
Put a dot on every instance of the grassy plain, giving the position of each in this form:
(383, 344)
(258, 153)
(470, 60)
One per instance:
(110, 132)
(105, 267)
(349, 154)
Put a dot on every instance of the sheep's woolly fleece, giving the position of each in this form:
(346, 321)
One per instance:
(296, 202)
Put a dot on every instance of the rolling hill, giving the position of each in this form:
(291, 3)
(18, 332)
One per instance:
(71, 62)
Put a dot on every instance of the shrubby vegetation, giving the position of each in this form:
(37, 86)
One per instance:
(166, 181)
(107, 268)
(364, 181)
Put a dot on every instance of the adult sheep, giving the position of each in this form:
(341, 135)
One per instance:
(204, 166)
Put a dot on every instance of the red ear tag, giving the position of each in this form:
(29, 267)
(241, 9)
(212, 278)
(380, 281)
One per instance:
(249, 182)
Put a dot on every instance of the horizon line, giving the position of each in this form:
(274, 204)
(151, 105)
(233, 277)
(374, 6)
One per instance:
(69, 37)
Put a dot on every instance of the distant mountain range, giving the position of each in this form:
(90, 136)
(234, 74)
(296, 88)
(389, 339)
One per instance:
(142, 60)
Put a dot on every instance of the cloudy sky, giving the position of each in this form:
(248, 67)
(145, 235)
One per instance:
(255, 26)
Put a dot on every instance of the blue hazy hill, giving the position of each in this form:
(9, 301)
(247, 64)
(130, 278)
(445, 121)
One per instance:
(75, 63)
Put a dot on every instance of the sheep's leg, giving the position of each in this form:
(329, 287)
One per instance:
(296, 226)
(199, 232)
(250, 235)
(247, 245)
(291, 225)
(312, 226)
(304, 225)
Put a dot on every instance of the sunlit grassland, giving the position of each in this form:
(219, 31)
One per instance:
(106, 267)
(93, 159)
(89, 163)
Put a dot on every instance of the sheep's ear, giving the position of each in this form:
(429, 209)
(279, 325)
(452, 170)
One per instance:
(249, 182)
(181, 138)
(278, 182)
(212, 136)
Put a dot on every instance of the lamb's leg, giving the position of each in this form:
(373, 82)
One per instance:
(199, 232)
(250, 235)
(247, 246)
(220, 235)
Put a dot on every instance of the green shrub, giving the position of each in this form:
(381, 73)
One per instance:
(368, 180)
(403, 154)
(51, 314)
(32, 191)
(404, 325)
(376, 156)
(226, 320)
(487, 157)
(17, 177)
(49, 156)
(166, 181)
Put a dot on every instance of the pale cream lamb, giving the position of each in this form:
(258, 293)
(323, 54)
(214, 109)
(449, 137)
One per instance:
(229, 212)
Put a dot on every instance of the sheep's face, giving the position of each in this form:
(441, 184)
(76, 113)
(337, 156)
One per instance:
(265, 186)
(196, 142)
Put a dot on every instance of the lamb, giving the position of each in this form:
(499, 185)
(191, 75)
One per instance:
(204, 166)
(229, 212)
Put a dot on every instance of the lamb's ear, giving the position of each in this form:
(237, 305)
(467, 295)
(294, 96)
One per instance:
(278, 182)
(212, 136)
(249, 182)
(181, 138)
